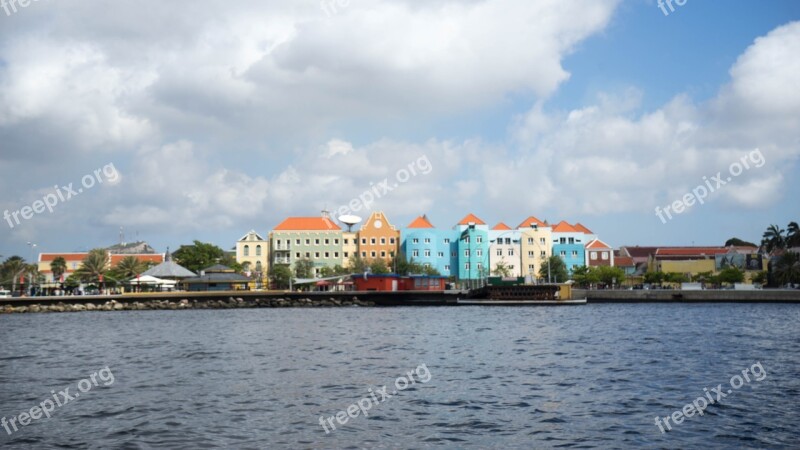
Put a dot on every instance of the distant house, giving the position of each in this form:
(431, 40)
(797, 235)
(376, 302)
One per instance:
(74, 261)
(317, 239)
(252, 252)
(217, 278)
(473, 248)
(505, 250)
(598, 253)
(432, 247)
(569, 243)
(378, 238)
(536, 245)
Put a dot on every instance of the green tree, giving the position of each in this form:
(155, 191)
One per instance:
(558, 270)
(736, 242)
(792, 235)
(501, 269)
(358, 264)
(129, 267)
(403, 266)
(731, 275)
(774, 238)
(580, 275)
(378, 266)
(675, 278)
(654, 277)
(609, 275)
(430, 271)
(280, 275)
(12, 268)
(304, 268)
(760, 277)
(787, 269)
(198, 256)
(93, 265)
(58, 266)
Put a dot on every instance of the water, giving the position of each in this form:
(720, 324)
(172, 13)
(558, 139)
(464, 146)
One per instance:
(591, 376)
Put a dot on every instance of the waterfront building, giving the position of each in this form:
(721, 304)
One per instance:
(252, 252)
(505, 251)
(349, 247)
(378, 238)
(423, 243)
(75, 259)
(569, 244)
(473, 248)
(317, 239)
(536, 246)
(598, 253)
(216, 278)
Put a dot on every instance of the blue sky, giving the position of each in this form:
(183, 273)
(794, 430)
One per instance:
(222, 121)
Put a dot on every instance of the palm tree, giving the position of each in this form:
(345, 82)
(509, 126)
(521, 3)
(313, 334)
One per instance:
(93, 265)
(787, 270)
(130, 267)
(773, 238)
(13, 267)
(792, 235)
(58, 266)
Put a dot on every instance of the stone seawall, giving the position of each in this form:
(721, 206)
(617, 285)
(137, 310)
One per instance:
(174, 304)
(678, 296)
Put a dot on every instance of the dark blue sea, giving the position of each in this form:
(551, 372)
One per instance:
(593, 376)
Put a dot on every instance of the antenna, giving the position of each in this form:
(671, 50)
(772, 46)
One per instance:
(349, 220)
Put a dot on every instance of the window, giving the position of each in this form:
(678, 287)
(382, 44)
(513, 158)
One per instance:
(453, 254)
(316, 255)
(259, 267)
(372, 254)
(563, 253)
(279, 242)
(346, 254)
(427, 253)
(479, 252)
(466, 253)
(415, 253)
(530, 241)
(336, 255)
(543, 254)
(391, 241)
(499, 252)
(308, 241)
(383, 241)
(297, 242)
(466, 266)
(391, 254)
(530, 253)
(466, 239)
(511, 252)
(297, 255)
(447, 267)
(246, 250)
(563, 240)
(383, 254)
(446, 240)
(480, 266)
(415, 241)
(363, 241)
(479, 239)
(511, 267)
(308, 254)
(571, 240)
(373, 241)
(427, 240)
(441, 254)
(363, 254)
(258, 250)
(327, 255)
(335, 242)
(542, 241)
(574, 253)
(593, 255)
(426, 265)
(316, 241)
(604, 255)
(530, 267)
(508, 241)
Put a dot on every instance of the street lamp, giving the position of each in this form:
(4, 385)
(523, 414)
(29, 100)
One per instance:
(33, 274)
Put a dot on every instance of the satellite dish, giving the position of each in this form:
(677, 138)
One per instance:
(349, 220)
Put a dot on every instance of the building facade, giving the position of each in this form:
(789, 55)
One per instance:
(598, 253)
(536, 246)
(317, 239)
(505, 251)
(252, 252)
(423, 243)
(473, 248)
(378, 239)
(569, 243)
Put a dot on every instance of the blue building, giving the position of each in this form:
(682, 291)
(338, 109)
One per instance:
(569, 243)
(473, 248)
(425, 244)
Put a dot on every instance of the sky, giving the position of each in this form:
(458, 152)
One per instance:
(198, 120)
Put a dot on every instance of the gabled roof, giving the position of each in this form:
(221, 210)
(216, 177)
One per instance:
(623, 261)
(256, 236)
(640, 252)
(597, 243)
(421, 222)
(582, 228)
(501, 227)
(690, 251)
(564, 227)
(307, 223)
(531, 221)
(169, 269)
(471, 218)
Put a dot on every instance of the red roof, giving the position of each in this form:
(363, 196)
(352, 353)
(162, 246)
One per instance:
(564, 227)
(580, 227)
(501, 226)
(158, 259)
(531, 221)
(471, 218)
(421, 222)
(641, 252)
(307, 223)
(623, 261)
(690, 251)
(597, 243)
(48, 257)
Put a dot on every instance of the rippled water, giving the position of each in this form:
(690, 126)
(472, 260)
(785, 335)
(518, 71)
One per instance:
(593, 376)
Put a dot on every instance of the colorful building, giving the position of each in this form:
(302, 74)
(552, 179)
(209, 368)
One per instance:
(473, 248)
(423, 243)
(252, 252)
(598, 253)
(505, 251)
(536, 246)
(317, 239)
(378, 239)
(74, 261)
(349, 247)
(569, 243)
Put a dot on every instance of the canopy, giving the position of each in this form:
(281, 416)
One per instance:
(149, 279)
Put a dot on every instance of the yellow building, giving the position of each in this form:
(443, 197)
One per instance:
(692, 267)
(252, 252)
(349, 246)
(536, 242)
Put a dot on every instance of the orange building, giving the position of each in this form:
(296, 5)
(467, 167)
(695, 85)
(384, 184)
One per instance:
(378, 238)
